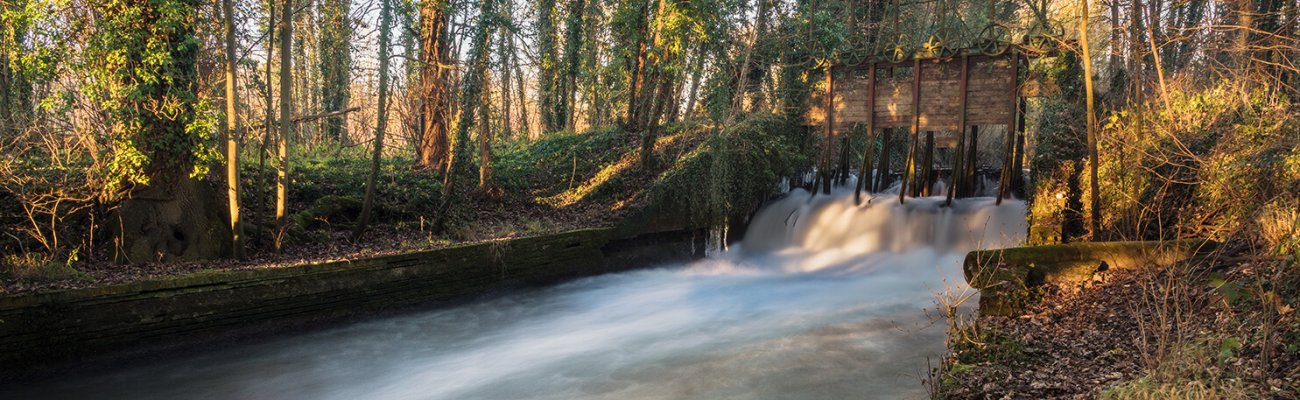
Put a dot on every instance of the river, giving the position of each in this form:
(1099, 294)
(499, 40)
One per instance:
(824, 299)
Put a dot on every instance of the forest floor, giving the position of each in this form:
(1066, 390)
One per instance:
(1138, 334)
(564, 182)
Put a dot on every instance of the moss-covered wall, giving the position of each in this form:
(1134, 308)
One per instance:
(1007, 278)
(49, 329)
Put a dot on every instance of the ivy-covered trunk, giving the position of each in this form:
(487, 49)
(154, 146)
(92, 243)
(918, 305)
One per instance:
(460, 168)
(434, 93)
(142, 59)
(335, 52)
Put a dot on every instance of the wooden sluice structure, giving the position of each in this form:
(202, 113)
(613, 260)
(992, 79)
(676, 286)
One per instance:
(939, 103)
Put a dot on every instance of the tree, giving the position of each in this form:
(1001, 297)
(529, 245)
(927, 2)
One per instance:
(335, 63)
(268, 93)
(564, 108)
(286, 123)
(385, 20)
(232, 133)
(1095, 195)
(505, 49)
(460, 166)
(546, 89)
(434, 96)
(142, 61)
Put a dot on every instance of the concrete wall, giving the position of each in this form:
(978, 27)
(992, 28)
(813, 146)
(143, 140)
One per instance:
(50, 330)
(1007, 278)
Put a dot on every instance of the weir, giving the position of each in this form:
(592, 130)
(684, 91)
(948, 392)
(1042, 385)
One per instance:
(946, 99)
(825, 298)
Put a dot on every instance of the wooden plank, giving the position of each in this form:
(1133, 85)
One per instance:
(988, 83)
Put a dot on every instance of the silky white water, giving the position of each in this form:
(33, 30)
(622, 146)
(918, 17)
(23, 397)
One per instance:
(824, 299)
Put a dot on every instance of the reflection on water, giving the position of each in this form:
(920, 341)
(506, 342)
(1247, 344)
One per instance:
(825, 300)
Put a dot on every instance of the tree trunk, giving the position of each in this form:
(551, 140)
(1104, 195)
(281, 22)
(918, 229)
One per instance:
(270, 95)
(434, 96)
(1136, 41)
(637, 70)
(232, 133)
(484, 137)
(286, 114)
(381, 124)
(546, 87)
(471, 95)
(1094, 196)
(335, 63)
(6, 94)
(697, 66)
(564, 109)
(1116, 46)
(524, 123)
(757, 70)
(504, 52)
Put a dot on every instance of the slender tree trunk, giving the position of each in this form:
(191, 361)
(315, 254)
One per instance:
(268, 101)
(636, 80)
(286, 123)
(756, 70)
(524, 124)
(381, 124)
(504, 52)
(232, 133)
(564, 109)
(484, 137)
(547, 85)
(7, 95)
(1116, 45)
(1135, 75)
(1094, 196)
(697, 66)
(335, 63)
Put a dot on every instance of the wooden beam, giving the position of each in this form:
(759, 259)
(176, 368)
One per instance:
(957, 178)
(864, 173)
(1009, 149)
(916, 129)
(830, 131)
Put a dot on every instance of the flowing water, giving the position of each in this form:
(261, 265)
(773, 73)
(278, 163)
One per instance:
(824, 300)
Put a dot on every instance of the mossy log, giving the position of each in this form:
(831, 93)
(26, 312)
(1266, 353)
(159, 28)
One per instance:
(1007, 278)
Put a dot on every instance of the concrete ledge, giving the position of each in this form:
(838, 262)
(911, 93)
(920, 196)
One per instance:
(44, 330)
(1007, 278)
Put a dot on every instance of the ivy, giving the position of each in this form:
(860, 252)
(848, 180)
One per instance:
(140, 61)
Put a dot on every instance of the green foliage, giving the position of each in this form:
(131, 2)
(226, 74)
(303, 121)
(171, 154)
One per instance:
(141, 66)
(35, 268)
(546, 167)
(326, 194)
(733, 171)
(1206, 164)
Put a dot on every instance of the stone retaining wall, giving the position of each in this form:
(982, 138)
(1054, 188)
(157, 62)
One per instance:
(1007, 278)
(45, 330)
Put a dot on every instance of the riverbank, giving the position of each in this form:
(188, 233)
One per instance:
(47, 331)
(701, 176)
(1219, 328)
